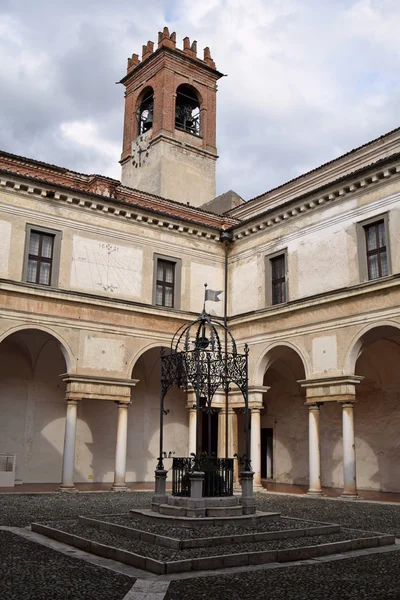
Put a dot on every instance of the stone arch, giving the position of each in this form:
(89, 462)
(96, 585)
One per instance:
(365, 337)
(374, 354)
(32, 401)
(63, 344)
(270, 355)
(140, 352)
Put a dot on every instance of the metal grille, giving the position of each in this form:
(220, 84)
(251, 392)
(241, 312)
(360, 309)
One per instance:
(218, 475)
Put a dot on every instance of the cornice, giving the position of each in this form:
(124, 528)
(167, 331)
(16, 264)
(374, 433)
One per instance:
(347, 186)
(119, 209)
(364, 156)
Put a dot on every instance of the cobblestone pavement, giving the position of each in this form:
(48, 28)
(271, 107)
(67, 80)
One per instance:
(31, 571)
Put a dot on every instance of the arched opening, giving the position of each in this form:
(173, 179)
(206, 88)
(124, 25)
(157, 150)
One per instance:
(144, 419)
(144, 111)
(377, 410)
(32, 404)
(284, 420)
(187, 110)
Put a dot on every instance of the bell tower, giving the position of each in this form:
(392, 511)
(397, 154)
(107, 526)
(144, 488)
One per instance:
(170, 121)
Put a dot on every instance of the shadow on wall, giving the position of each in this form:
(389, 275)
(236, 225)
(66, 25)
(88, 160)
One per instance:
(32, 404)
(144, 419)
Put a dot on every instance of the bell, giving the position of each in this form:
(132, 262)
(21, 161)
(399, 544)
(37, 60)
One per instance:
(148, 121)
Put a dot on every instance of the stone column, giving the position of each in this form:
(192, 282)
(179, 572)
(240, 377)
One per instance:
(314, 449)
(121, 447)
(232, 438)
(255, 445)
(349, 452)
(67, 482)
(192, 430)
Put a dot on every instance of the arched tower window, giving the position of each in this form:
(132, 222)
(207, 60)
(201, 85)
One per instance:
(144, 112)
(187, 110)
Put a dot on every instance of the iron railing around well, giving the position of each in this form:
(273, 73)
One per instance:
(218, 475)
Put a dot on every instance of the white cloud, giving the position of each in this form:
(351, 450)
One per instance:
(307, 80)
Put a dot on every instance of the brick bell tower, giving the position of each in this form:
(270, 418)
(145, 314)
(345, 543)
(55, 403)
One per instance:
(170, 121)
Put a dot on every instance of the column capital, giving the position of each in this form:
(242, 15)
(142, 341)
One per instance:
(89, 387)
(339, 388)
(347, 403)
(123, 403)
(73, 401)
(313, 405)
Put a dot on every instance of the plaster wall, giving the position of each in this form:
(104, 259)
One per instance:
(175, 170)
(105, 255)
(322, 249)
(32, 406)
(286, 414)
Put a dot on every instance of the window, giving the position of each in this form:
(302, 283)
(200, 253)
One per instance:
(42, 254)
(276, 278)
(167, 281)
(373, 248)
(187, 110)
(375, 240)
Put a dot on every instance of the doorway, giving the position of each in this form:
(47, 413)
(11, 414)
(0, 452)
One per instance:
(267, 462)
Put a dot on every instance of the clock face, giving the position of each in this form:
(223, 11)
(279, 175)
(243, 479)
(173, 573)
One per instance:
(140, 151)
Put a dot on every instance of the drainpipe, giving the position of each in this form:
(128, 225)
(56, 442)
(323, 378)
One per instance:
(226, 237)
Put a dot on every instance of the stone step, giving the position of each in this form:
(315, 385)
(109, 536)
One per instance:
(208, 502)
(248, 520)
(226, 560)
(223, 511)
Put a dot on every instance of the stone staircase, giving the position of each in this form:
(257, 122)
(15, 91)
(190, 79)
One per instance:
(162, 544)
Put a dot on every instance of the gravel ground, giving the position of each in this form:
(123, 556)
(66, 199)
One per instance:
(168, 554)
(29, 571)
(371, 516)
(20, 510)
(363, 578)
(185, 533)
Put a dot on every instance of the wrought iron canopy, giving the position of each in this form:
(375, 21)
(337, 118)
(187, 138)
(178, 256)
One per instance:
(203, 358)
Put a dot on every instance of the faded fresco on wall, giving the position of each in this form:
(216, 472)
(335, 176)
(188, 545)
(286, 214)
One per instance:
(102, 267)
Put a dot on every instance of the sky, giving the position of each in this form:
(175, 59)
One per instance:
(307, 80)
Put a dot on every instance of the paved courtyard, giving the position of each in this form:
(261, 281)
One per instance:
(29, 570)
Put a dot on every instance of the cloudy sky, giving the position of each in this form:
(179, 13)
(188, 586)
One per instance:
(307, 79)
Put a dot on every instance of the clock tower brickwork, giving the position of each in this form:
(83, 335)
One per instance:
(169, 140)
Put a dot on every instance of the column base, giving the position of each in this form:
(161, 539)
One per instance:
(119, 487)
(312, 492)
(350, 495)
(67, 488)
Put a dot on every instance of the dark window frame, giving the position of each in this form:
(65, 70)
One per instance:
(54, 260)
(379, 251)
(364, 252)
(271, 281)
(176, 286)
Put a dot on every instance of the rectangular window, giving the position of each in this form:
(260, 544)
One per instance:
(42, 256)
(278, 279)
(377, 259)
(167, 281)
(165, 285)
